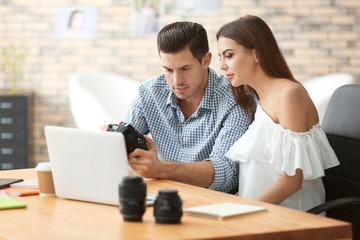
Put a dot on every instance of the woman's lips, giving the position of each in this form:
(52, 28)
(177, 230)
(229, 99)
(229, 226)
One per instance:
(229, 76)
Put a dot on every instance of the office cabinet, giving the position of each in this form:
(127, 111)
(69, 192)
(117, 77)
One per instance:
(14, 128)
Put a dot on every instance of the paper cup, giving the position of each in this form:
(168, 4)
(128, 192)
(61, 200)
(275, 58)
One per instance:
(45, 179)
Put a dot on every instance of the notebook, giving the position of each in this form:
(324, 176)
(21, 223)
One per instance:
(87, 165)
(224, 210)
(7, 202)
(30, 183)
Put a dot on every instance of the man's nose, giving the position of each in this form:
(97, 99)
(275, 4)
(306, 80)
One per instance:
(177, 78)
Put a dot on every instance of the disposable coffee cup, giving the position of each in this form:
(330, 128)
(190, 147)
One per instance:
(45, 179)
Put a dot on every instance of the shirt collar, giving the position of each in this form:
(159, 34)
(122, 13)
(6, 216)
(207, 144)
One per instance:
(171, 99)
(208, 100)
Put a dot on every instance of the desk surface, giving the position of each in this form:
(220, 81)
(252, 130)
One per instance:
(54, 218)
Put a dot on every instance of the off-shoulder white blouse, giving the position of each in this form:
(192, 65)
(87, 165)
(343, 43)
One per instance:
(267, 150)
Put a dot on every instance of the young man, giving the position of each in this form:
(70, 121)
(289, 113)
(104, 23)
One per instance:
(190, 113)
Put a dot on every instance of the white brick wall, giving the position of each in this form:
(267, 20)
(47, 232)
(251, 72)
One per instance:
(316, 36)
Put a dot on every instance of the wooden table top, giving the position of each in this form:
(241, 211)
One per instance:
(54, 218)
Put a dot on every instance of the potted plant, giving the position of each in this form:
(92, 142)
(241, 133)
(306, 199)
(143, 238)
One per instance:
(13, 58)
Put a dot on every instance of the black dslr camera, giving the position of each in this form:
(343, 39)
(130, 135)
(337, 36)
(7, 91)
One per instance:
(133, 139)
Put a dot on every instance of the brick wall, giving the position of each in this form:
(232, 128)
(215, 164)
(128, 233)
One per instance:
(317, 37)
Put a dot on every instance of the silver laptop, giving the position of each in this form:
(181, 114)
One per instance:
(87, 165)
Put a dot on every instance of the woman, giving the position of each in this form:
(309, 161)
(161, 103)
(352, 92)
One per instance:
(76, 26)
(284, 152)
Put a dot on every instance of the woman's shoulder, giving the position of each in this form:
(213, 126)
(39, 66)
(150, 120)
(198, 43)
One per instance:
(289, 96)
(294, 97)
(296, 110)
(292, 91)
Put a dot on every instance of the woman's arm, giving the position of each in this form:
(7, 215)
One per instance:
(294, 111)
(283, 188)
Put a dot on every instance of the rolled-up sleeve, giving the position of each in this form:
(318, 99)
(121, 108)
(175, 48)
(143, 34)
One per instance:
(135, 115)
(227, 171)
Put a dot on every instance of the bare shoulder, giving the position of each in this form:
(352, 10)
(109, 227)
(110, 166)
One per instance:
(296, 109)
(293, 95)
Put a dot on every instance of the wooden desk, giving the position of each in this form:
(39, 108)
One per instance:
(54, 218)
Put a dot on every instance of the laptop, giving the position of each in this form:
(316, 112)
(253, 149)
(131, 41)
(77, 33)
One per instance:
(88, 165)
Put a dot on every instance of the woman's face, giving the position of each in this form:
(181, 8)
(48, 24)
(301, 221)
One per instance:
(238, 63)
(77, 20)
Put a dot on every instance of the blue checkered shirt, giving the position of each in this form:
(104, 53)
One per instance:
(206, 135)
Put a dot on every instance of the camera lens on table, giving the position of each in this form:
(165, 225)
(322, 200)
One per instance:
(132, 195)
(168, 207)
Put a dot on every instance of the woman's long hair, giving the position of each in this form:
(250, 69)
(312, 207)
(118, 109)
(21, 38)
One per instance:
(253, 33)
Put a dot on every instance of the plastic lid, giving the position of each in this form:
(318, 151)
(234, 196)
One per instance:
(44, 166)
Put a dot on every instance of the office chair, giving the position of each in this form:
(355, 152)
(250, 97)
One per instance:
(322, 87)
(342, 183)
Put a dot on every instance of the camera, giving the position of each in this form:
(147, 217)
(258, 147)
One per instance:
(133, 139)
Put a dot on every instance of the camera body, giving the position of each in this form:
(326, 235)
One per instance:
(133, 139)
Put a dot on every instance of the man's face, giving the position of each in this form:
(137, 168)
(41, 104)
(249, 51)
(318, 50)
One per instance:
(185, 75)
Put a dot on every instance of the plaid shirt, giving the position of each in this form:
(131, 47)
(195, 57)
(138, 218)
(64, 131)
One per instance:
(206, 135)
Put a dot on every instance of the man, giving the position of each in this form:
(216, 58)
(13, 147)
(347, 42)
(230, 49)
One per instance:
(190, 113)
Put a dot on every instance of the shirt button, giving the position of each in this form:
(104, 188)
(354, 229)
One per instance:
(184, 139)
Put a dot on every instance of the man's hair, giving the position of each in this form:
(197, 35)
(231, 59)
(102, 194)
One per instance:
(176, 36)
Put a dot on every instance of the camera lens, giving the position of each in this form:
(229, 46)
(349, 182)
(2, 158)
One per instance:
(132, 195)
(168, 207)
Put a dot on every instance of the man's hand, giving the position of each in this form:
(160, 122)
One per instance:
(105, 127)
(146, 163)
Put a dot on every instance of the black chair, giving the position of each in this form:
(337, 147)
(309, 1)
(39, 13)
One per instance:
(342, 183)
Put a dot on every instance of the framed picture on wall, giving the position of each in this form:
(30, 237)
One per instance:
(76, 23)
(147, 17)
(197, 6)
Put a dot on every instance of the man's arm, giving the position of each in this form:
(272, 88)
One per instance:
(226, 174)
(218, 173)
(147, 164)
(135, 116)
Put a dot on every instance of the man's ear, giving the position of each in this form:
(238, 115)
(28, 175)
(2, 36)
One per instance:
(206, 60)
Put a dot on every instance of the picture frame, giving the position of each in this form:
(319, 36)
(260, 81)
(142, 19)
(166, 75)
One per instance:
(76, 23)
(147, 17)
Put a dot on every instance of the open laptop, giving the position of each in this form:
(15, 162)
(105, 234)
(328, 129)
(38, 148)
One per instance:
(88, 165)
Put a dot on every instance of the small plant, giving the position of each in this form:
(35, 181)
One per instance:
(13, 58)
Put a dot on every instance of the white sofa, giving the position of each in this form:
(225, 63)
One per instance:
(100, 98)
(321, 89)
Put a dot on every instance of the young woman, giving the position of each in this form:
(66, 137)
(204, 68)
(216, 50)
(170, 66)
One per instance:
(284, 152)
